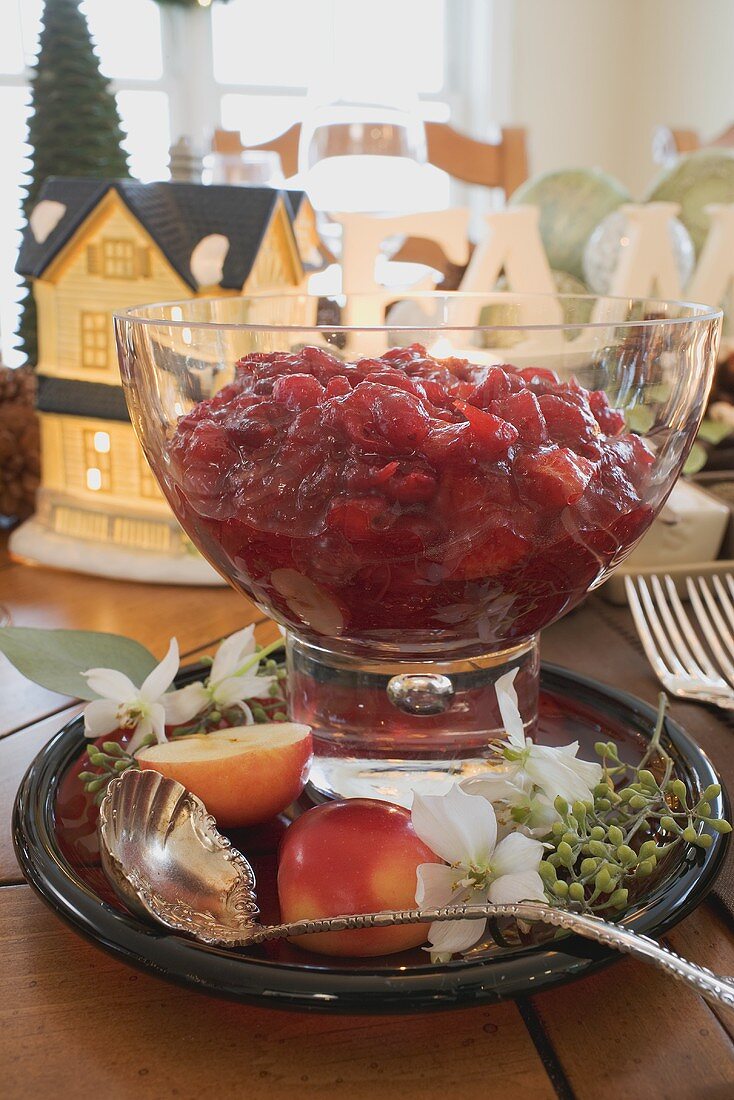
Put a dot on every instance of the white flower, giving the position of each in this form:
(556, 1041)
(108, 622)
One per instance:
(518, 805)
(553, 770)
(462, 829)
(233, 676)
(146, 709)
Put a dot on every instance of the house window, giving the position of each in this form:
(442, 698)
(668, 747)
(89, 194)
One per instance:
(148, 484)
(95, 340)
(118, 259)
(97, 460)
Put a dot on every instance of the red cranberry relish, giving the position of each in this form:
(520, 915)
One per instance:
(407, 493)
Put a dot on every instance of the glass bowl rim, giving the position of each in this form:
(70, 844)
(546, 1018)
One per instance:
(697, 313)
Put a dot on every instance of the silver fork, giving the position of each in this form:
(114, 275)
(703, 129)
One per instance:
(672, 646)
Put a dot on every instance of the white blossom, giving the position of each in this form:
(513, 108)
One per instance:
(145, 710)
(233, 677)
(461, 829)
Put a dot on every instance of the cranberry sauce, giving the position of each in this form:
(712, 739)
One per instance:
(408, 497)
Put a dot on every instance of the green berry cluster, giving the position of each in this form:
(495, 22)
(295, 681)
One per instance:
(111, 760)
(602, 848)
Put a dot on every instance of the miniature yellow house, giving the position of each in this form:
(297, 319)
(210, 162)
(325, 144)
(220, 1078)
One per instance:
(93, 247)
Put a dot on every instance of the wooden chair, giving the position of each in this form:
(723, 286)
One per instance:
(669, 143)
(502, 164)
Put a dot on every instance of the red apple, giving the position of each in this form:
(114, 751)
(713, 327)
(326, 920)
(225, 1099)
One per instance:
(244, 775)
(356, 856)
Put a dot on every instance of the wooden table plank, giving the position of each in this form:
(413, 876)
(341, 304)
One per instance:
(630, 1031)
(75, 1023)
(150, 613)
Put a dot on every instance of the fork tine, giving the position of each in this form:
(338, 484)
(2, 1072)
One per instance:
(730, 583)
(707, 626)
(724, 632)
(724, 600)
(643, 630)
(664, 646)
(681, 649)
(685, 624)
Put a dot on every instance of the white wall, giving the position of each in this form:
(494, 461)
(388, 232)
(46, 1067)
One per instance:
(590, 79)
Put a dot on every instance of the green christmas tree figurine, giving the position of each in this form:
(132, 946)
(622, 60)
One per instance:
(74, 128)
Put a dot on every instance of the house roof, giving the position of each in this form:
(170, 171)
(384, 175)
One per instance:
(176, 215)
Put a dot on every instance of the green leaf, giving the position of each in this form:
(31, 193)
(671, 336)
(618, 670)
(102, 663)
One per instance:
(714, 431)
(56, 658)
(696, 459)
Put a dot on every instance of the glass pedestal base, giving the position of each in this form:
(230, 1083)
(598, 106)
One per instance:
(385, 727)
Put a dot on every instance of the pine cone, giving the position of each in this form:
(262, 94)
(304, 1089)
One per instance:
(20, 462)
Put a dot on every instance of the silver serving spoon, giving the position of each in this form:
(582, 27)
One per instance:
(165, 859)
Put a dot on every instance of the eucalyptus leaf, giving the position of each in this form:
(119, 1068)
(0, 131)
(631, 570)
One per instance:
(714, 431)
(696, 460)
(55, 659)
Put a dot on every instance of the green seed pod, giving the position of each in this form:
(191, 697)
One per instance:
(712, 791)
(97, 784)
(561, 806)
(669, 825)
(601, 790)
(703, 809)
(600, 748)
(604, 881)
(547, 872)
(565, 854)
(638, 802)
(570, 838)
(690, 834)
(618, 899)
(122, 765)
(598, 849)
(627, 855)
(645, 868)
(597, 833)
(626, 794)
(603, 804)
(647, 779)
(576, 891)
(678, 788)
(705, 840)
(719, 825)
(87, 777)
(558, 828)
(615, 835)
(647, 849)
(560, 888)
(113, 748)
(579, 810)
(588, 866)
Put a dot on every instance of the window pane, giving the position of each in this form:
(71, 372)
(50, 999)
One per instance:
(19, 27)
(281, 43)
(260, 117)
(403, 41)
(145, 120)
(127, 36)
(13, 120)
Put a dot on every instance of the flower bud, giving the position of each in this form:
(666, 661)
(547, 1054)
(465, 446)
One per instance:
(576, 891)
(627, 855)
(560, 805)
(618, 899)
(113, 748)
(565, 854)
(615, 835)
(597, 833)
(705, 840)
(547, 872)
(598, 849)
(588, 865)
(712, 791)
(703, 809)
(648, 849)
(579, 810)
(678, 788)
(638, 802)
(603, 881)
(570, 838)
(690, 834)
(97, 784)
(558, 828)
(669, 825)
(560, 888)
(647, 779)
(645, 868)
(601, 790)
(719, 825)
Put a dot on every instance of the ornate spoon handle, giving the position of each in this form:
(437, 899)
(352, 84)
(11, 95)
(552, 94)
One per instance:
(705, 982)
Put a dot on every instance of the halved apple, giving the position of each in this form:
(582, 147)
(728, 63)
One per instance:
(244, 775)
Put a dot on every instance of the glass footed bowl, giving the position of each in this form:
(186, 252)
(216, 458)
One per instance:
(414, 491)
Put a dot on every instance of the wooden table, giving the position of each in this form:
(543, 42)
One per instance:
(75, 1023)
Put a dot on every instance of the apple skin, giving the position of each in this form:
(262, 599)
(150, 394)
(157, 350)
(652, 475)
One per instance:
(355, 856)
(242, 790)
